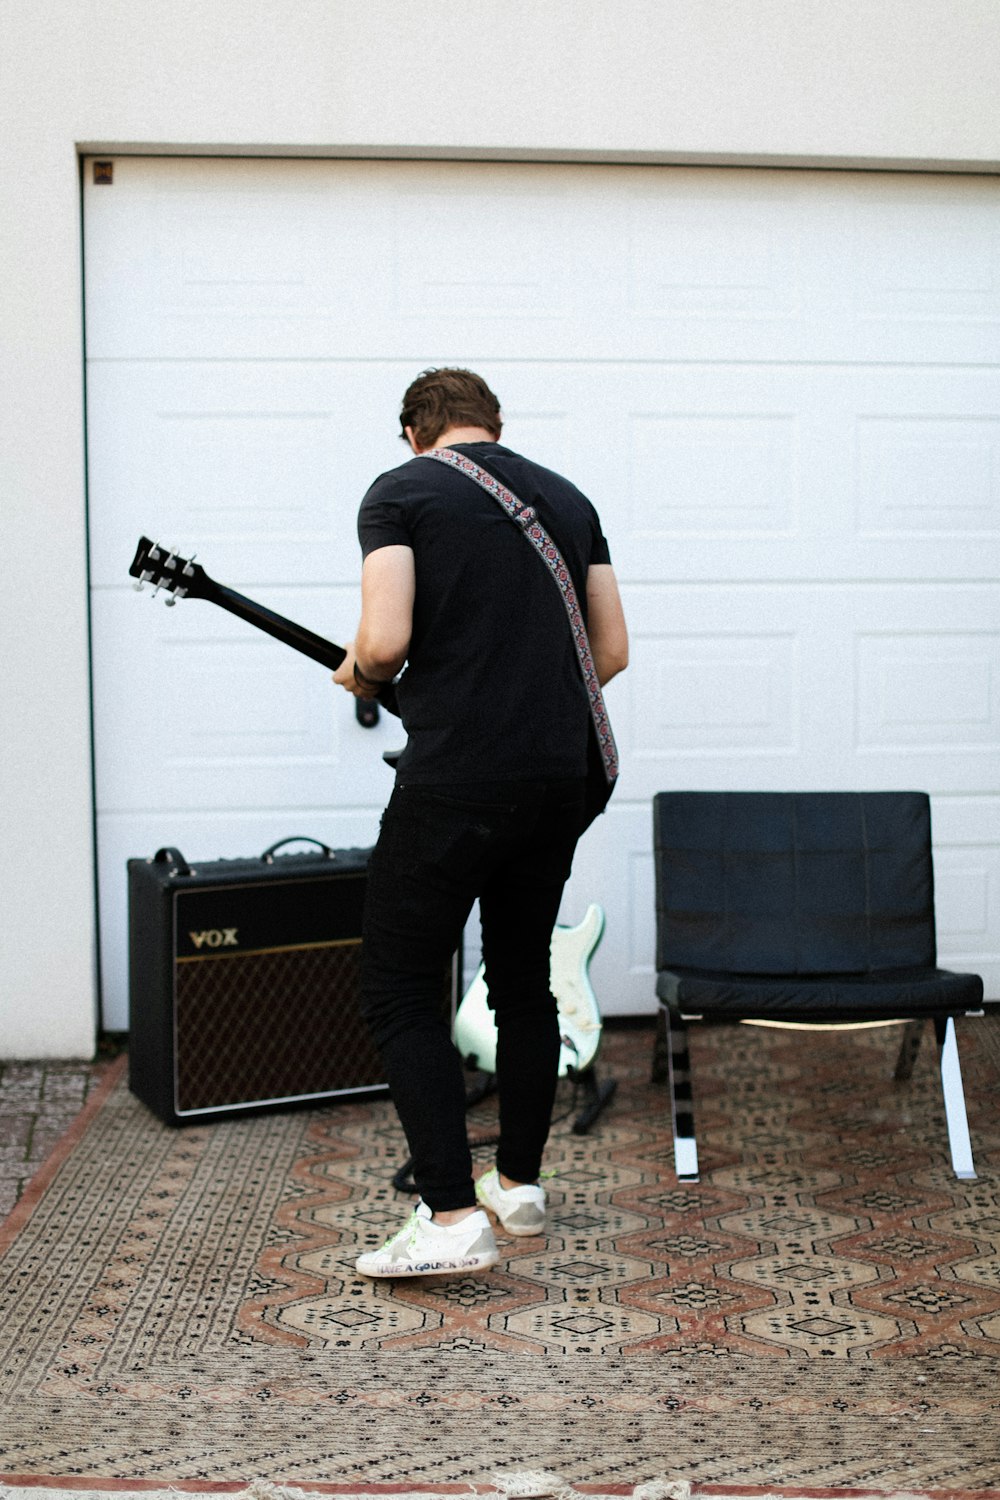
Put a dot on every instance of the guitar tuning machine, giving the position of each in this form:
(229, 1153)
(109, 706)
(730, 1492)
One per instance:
(187, 570)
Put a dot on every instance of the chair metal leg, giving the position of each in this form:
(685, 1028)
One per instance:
(954, 1099)
(908, 1049)
(681, 1099)
(661, 1047)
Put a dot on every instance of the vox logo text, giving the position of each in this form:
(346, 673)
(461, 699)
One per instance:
(215, 937)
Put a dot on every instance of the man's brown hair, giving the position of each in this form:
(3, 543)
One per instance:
(439, 399)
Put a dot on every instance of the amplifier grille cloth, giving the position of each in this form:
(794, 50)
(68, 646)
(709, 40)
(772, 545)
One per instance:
(272, 1025)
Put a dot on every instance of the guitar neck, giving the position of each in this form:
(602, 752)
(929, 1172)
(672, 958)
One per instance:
(316, 647)
(183, 577)
(327, 653)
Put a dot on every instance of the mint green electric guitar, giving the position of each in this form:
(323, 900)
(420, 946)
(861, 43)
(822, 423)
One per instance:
(475, 1032)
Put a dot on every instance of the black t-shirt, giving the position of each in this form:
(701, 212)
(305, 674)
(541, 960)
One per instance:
(492, 689)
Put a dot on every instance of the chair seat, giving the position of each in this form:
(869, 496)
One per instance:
(801, 907)
(883, 994)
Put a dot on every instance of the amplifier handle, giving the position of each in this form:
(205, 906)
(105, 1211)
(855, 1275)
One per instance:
(296, 838)
(170, 856)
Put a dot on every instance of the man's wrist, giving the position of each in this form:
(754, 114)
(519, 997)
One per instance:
(363, 680)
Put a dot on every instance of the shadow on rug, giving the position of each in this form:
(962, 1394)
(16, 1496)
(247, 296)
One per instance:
(822, 1309)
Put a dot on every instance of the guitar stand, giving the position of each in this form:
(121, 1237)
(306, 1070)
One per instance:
(402, 1181)
(595, 1094)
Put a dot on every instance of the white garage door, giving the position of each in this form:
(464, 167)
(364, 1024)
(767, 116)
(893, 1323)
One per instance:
(780, 389)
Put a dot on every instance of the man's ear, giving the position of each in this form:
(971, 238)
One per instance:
(411, 439)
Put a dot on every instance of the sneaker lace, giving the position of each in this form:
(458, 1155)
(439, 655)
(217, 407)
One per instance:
(410, 1230)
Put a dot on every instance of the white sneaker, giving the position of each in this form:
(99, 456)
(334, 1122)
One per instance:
(425, 1248)
(521, 1210)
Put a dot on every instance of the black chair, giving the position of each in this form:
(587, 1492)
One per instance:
(802, 907)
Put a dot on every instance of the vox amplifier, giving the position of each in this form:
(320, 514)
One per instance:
(244, 982)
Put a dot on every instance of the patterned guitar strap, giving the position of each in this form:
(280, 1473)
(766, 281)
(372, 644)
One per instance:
(525, 518)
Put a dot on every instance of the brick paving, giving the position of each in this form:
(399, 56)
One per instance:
(38, 1101)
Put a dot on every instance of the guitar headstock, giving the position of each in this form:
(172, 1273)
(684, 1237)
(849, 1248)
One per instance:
(166, 569)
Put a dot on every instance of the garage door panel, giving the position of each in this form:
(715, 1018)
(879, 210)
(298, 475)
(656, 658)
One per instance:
(966, 896)
(967, 822)
(715, 476)
(614, 867)
(701, 692)
(729, 472)
(967, 884)
(967, 905)
(275, 254)
(218, 256)
(506, 263)
(934, 474)
(700, 250)
(219, 712)
(258, 469)
(928, 690)
(774, 687)
(935, 255)
(263, 260)
(713, 693)
(763, 473)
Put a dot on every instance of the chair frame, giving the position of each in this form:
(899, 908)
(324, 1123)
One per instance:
(672, 1064)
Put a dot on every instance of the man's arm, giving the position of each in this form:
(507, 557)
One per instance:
(606, 622)
(382, 641)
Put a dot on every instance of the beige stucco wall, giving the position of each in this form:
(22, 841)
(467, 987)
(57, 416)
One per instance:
(909, 84)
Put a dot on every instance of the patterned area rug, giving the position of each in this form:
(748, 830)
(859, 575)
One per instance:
(511, 1485)
(822, 1309)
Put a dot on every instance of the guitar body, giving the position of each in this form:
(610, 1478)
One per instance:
(475, 1032)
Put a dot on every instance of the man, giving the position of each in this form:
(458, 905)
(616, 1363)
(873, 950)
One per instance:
(488, 801)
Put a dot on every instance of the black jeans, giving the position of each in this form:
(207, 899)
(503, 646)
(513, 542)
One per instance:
(510, 844)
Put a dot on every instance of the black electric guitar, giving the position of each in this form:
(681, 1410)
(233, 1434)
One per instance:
(183, 578)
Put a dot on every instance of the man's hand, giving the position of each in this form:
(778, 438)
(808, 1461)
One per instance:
(346, 678)
(388, 583)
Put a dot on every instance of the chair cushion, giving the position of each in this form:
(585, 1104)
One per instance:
(789, 882)
(883, 994)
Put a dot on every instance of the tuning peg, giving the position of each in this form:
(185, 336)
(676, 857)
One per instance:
(187, 569)
(138, 586)
(171, 561)
(154, 551)
(170, 599)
